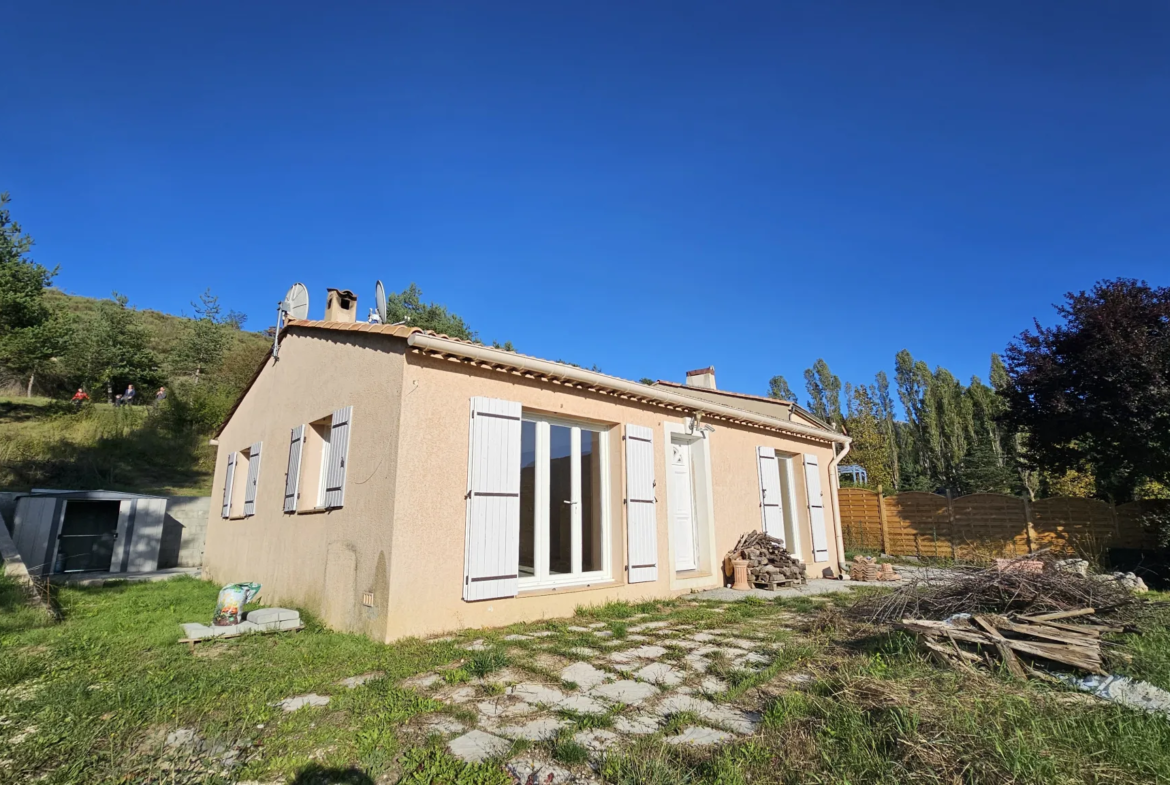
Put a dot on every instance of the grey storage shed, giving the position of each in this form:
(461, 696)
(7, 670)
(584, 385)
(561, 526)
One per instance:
(89, 531)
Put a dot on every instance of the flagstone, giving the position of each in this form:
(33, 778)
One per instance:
(536, 730)
(536, 693)
(636, 724)
(699, 737)
(475, 746)
(660, 673)
(625, 691)
(584, 675)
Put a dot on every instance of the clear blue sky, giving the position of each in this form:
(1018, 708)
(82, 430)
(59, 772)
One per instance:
(648, 186)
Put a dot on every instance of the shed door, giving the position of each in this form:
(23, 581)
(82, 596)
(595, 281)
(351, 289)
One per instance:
(36, 532)
(816, 508)
(771, 497)
(492, 547)
(86, 542)
(641, 507)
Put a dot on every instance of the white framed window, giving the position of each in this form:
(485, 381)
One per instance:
(564, 503)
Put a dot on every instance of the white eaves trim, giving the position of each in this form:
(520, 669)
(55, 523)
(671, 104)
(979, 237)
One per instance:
(492, 356)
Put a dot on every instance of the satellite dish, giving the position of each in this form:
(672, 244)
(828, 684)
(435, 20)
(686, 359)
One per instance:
(380, 301)
(295, 305)
(296, 302)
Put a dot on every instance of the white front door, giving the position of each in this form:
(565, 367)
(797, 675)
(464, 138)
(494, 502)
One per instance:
(682, 507)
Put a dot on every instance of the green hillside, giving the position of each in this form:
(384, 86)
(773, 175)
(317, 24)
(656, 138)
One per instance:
(46, 442)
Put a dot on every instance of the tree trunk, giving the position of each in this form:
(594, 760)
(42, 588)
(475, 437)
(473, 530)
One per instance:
(28, 393)
(109, 392)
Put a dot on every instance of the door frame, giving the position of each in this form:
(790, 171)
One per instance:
(708, 573)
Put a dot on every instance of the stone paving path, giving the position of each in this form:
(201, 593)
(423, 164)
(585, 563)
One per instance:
(656, 678)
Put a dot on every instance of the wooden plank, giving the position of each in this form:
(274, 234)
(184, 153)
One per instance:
(1058, 615)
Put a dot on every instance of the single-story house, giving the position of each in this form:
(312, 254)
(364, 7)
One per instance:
(399, 482)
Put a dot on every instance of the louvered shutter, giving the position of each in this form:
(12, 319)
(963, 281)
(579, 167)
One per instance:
(338, 453)
(253, 479)
(292, 478)
(816, 508)
(771, 498)
(492, 548)
(229, 476)
(641, 507)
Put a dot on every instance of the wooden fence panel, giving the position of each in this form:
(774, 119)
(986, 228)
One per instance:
(918, 524)
(861, 525)
(1070, 525)
(1133, 532)
(990, 526)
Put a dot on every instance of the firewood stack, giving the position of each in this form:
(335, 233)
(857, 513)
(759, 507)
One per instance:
(771, 566)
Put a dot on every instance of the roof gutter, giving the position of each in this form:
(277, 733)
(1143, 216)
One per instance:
(533, 365)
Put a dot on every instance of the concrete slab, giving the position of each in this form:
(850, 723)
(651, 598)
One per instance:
(536, 730)
(583, 651)
(640, 653)
(301, 701)
(537, 693)
(650, 625)
(357, 681)
(596, 741)
(636, 724)
(542, 634)
(529, 770)
(676, 704)
(712, 686)
(584, 675)
(696, 736)
(475, 746)
(661, 674)
(269, 615)
(422, 681)
(813, 587)
(517, 637)
(582, 704)
(603, 633)
(477, 645)
(596, 625)
(100, 578)
(734, 719)
(443, 725)
(628, 692)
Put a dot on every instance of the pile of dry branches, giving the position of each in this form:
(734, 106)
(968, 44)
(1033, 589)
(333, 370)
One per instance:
(1017, 641)
(998, 590)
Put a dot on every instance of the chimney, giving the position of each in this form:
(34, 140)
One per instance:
(702, 377)
(341, 306)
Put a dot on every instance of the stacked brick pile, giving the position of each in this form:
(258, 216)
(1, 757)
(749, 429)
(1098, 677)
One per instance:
(866, 568)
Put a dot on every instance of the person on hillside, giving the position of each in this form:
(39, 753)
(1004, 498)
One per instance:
(79, 398)
(160, 396)
(128, 396)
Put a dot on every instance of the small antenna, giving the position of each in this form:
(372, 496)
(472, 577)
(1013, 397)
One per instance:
(380, 301)
(295, 305)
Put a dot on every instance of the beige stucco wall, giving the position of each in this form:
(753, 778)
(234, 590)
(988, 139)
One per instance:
(426, 571)
(322, 561)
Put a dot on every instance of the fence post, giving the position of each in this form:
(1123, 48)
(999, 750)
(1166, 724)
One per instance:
(1031, 533)
(881, 500)
(951, 521)
(1116, 524)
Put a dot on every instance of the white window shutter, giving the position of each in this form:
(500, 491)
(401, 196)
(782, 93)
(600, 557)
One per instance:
(641, 506)
(292, 478)
(229, 476)
(492, 547)
(338, 454)
(253, 479)
(816, 508)
(771, 497)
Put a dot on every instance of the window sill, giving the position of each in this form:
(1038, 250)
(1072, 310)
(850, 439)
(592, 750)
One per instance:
(567, 588)
(238, 517)
(315, 510)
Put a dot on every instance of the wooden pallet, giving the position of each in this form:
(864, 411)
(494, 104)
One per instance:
(192, 641)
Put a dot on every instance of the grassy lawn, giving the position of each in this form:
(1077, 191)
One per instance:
(93, 698)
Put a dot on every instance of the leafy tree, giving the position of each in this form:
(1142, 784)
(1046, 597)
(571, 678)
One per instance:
(506, 346)
(646, 380)
(824, 392)
(884, 410)
(29, 335)
(778, 388)
(407, 306)
(870, 440)
(205, 341)
(111, 350)
(1095, 389)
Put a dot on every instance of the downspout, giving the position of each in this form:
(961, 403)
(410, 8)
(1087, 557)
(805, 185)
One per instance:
(835, 479)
